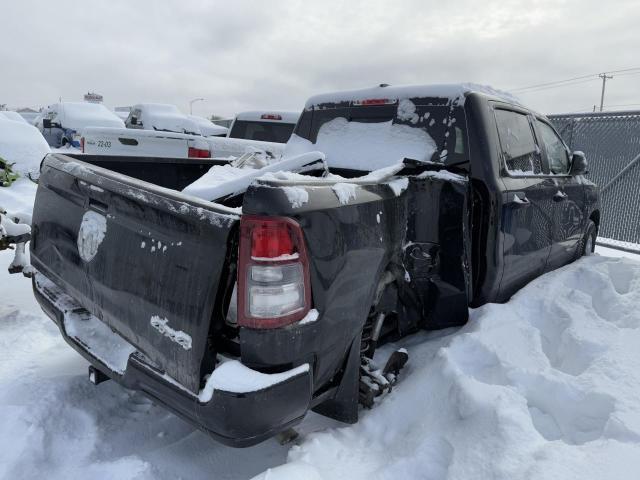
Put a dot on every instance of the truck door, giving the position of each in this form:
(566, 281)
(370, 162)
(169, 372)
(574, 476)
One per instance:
(526, 216)
(567, 198)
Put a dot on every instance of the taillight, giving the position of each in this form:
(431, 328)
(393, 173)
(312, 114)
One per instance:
(82, 144)
(270, 116)
(198, 153)
(273, 273)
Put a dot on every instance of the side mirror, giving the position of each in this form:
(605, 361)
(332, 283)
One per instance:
(134, 121)
(578, 164)
(46, 123)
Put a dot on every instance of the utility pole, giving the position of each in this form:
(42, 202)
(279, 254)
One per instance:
(604, 78)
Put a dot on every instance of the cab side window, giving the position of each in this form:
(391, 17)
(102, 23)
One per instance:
(556, 151)
(134, 117)
(519, 149)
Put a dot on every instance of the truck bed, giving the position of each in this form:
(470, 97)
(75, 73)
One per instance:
(131, 252)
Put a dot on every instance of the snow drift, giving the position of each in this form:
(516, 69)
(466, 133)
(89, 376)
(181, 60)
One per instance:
(545, 386)
(23, 145)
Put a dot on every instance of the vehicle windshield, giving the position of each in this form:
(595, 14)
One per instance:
(370, 137)
(263, 131)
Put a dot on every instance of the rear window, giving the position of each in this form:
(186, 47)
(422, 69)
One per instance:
(263, 131)
(370, 137)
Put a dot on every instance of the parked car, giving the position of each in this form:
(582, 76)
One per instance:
(62, 124)
(241, 320)
(264, 126)
(160, 144)
(161, 117)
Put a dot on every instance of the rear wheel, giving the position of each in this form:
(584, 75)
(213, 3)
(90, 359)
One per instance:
(587, 245)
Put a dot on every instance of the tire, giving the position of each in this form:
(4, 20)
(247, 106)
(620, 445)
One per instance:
(587, 245)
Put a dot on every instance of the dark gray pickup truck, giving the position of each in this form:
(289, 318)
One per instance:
(241, 313)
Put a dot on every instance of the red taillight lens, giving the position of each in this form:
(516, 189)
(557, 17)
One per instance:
(271, 239)
(198, 153)
(82, 144)
(273, 273)
(270, 116)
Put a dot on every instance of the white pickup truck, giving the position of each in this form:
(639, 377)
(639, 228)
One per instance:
(264, 126)
(155, 143)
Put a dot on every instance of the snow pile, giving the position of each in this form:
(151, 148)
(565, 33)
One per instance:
(23, 145)
(545, 386)
(345, 192)
(398, 185)
(310, 317)
(221, 181)
(15, 116)
(464, 407)
(86, 329)
(444, 175)
(297, 196)
(365, 146)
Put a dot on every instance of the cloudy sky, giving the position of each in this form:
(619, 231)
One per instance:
(242, 55)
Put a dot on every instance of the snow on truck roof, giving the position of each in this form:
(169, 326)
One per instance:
(78, 115)
(456, 91)
(269, 116)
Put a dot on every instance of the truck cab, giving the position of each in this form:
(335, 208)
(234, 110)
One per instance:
(161, 117)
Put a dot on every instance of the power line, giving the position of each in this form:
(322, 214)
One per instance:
(625, 71)
(553, 83)
(623, 105)
(567, 84)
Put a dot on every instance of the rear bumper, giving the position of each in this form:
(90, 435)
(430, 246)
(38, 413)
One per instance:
(235, 419)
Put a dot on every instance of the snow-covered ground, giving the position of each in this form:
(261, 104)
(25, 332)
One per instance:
(545, 386)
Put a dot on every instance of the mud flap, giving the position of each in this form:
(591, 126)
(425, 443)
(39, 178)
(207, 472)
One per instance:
(344, 406)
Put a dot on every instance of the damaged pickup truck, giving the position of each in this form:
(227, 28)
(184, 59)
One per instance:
(240, 296)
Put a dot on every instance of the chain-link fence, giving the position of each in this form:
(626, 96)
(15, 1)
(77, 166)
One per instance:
(611, 143)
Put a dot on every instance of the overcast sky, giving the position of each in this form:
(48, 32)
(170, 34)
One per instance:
(243, 55)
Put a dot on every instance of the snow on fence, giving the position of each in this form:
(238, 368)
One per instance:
(611, 143)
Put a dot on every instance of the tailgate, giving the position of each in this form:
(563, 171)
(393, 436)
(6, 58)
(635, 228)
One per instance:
(145, 260)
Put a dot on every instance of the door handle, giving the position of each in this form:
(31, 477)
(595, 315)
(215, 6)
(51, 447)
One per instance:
(560, 196)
